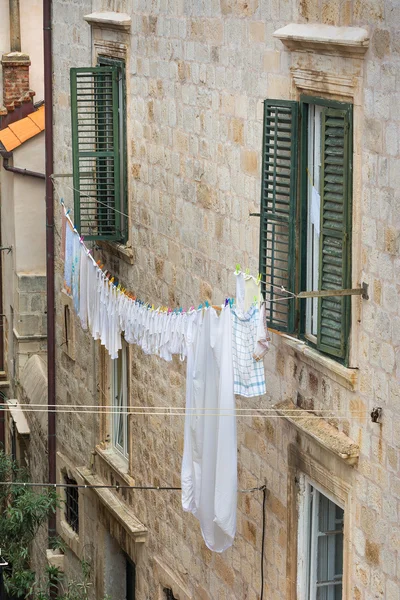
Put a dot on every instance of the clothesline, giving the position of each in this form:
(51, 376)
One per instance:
(94, 486)
(77, 407)
(245, 273)
(293, 414)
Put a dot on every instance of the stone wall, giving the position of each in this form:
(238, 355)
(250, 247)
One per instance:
(197, 73)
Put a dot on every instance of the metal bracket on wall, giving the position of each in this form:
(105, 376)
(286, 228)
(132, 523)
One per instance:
(9, 248)
(362, 291)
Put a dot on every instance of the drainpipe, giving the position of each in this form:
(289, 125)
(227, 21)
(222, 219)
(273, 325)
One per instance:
(15, 26)
(8, 167)
(51, 372)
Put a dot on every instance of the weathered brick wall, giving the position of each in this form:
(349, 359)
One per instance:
(197, 74)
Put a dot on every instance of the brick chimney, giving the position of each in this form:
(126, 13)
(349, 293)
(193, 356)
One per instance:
(16, 80)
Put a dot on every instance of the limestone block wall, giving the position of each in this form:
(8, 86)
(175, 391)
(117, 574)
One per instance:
(197, 74)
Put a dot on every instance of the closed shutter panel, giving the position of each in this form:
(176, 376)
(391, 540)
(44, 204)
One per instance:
(335, 240)
(278, 209)
(95, 152)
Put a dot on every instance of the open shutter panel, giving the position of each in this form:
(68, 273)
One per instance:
(278, 209)
(335, 260)
(95, 150)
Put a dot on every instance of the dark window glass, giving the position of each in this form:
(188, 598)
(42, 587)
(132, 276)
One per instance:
(71, 504)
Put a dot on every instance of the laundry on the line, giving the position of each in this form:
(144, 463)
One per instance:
(224, 351)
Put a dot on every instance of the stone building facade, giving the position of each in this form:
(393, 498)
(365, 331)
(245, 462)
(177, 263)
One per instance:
(197, 74)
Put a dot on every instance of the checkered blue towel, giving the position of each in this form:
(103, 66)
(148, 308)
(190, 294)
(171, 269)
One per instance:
(249, 375)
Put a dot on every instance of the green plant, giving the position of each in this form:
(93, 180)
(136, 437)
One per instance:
(23, 509)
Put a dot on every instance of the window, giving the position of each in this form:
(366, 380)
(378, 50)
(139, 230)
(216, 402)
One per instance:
(130, 579)
(321, 549)
(168, 594)
(71, 504)
(99, 150)
(119, 392)
(305, 224)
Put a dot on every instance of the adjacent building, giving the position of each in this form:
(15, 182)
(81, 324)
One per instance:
(214, 105)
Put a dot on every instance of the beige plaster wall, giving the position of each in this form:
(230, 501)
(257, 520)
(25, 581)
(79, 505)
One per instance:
(31, 12)
(29, 208)
(31, 24)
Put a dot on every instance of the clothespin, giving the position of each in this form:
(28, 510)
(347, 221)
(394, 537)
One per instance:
(67, 213)
(200, 307)
(237, 269)
(247, 271)
(231, 302)
(207, 304)
(255, 300)
(258, 278)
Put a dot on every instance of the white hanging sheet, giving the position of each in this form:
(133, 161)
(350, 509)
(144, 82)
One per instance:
(209, 466)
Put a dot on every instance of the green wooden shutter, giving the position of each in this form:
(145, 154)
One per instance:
(96, 152)
(335, 239)
(278, 209)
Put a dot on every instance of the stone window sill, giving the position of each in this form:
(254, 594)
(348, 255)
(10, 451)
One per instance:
(322, 432)
(118, 463)
(118, 509)
(346, 377)
(122, 251)
(110, 20)
(326, 39)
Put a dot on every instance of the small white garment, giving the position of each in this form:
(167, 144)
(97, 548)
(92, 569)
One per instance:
(249, 374)
(76, 263)
(315, 210)
(240, 290)
(262, 338)
(209, 466)
(252, 293)
(83, 288)
(69, 251)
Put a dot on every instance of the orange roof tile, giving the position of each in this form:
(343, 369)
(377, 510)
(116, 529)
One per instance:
(19, 132)
(9, 140)
(24, 129)
(38, 118)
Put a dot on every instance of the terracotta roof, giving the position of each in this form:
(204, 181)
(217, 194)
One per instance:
(19, 132)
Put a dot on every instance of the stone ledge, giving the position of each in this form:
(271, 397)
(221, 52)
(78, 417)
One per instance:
(55, 558)
(19, 418)
(346, 41)
(121, 251)
(321, 431)
(120, 511)
(118, 464)
(110, 20)
(346, 377)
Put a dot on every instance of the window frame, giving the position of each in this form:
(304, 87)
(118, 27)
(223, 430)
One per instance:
(335, 252)
(305, 564)
(71, 496)
(120, 65)
(123, 355)
(304, 101)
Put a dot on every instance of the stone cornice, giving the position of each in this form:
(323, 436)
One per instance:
(110, 20)
(325, 39)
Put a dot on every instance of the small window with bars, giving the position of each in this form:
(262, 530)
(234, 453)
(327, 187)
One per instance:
(99, 150)
(71, 503)
(305, 229)
(168, 594)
